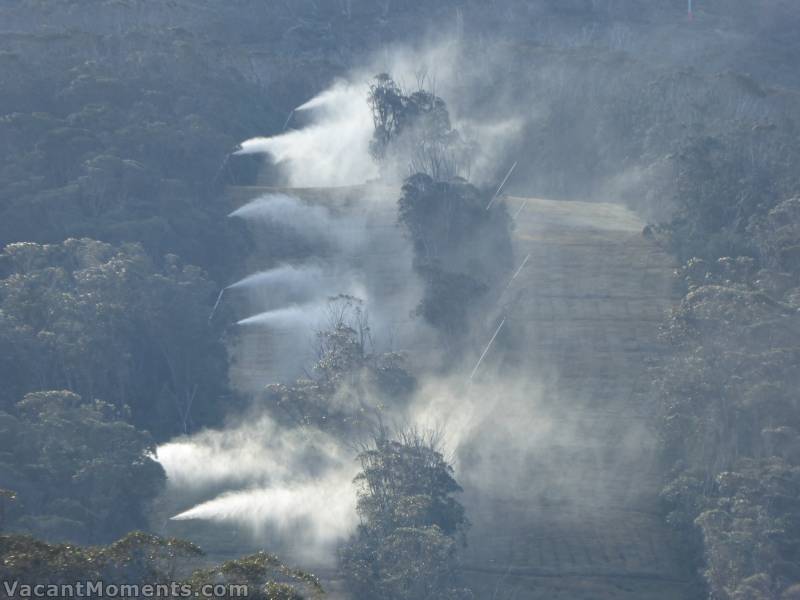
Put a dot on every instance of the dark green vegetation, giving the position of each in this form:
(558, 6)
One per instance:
(116, 145)
(411, 527)
(109, 322)
(461, 246)
(114, 129)
(728, 394)
(730, 410)
(112, 142)
(80, 471)
(145, 559)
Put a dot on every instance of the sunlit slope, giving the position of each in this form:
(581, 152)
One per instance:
(582, 317)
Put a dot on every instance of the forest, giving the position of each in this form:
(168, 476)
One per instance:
(277, 286)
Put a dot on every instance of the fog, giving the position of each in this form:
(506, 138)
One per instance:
(331, 147)
(334, 149)
(358, 251)
(272, 482)
(558, 241)
(517, 428)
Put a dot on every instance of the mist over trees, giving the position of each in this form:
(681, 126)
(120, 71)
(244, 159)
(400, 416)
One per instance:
(117, 123)
(462, 248)
(462, 244)
(350, 385)
(413, 133)
(727, 392)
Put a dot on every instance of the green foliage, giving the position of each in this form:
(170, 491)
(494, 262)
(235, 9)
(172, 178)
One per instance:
(728, 402)
(266, 577)
(102, 140)
(447, 301)
(107, 322)
(408, 483)
(448, 222)
(81, 472)
(145, 559)
(113, 126)
(752, 530)
(411, 526)
(27, 560)
(727, 183)
(730, 418)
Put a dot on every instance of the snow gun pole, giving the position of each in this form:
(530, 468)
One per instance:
(289, 118)
(522, 266)
(216, 305)
(520, 209)
(499, 189)
(489, 345)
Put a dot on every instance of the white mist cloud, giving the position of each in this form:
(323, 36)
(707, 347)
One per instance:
(284, 276)
(334, 149)
(491, 138)
(293, 487)
(483, 421)
(286, 285)
(312, 222)
(291, 317)
(315, 515)
(256, 451)
(293, 483)
(358, 253)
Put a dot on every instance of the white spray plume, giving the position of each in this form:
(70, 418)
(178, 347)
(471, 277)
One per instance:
(312, 222)
(286, 285)
(334, 149)
(293, 483)
(292, 317)
(296, 483)
(316, 514)
(353, 252)
(284, 276)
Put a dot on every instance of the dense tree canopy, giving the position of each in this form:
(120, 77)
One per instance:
(173, 567)
(107, 322)
(120, 149)
(80, 471)
(730, 416)
(410, 524)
